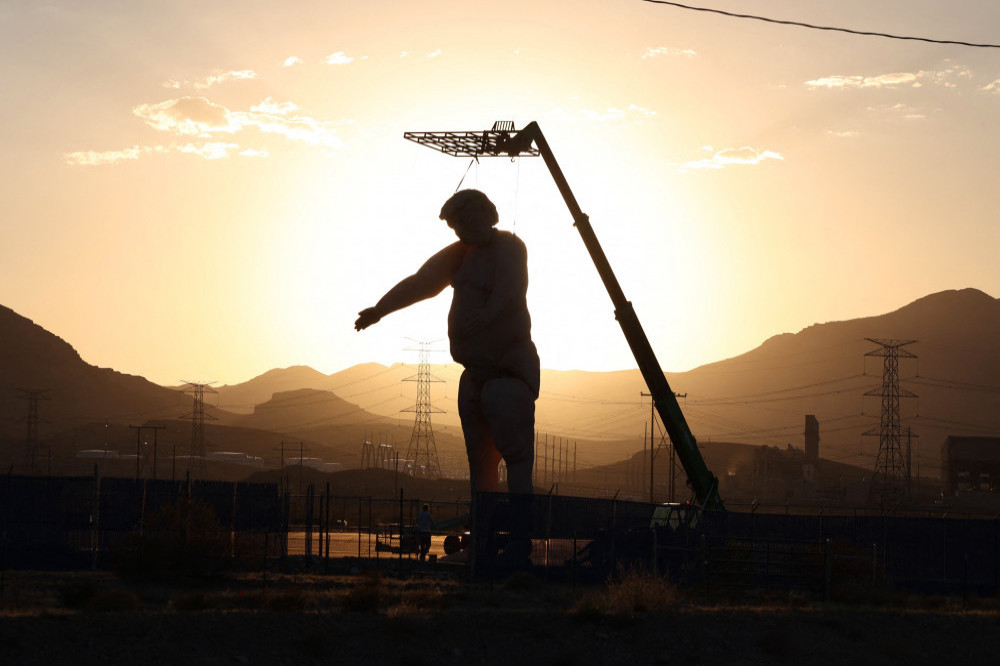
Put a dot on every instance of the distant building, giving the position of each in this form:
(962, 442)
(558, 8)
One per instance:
(235, 457)
(812, 439)
(970, 464)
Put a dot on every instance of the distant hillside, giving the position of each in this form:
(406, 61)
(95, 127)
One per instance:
(75, 392)
(758, 398)
(762, 396)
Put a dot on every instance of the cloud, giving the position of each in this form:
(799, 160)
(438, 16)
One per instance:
(881, 81)
(292, 61)
(993, 87)
(843, 134)
(191, 116)
(731, 157)
(899, 110)
(212, 79)
(338, 58)
(949, 77)
(98, 158)
(210, 150)
(271, 106)
(197, 116)
(434, 54)
(661, 51)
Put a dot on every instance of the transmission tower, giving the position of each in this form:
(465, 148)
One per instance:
(890, 473)
(31, 444)
(196, 462)
(421, 456)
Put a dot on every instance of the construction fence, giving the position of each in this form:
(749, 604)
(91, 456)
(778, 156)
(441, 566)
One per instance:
(147, 526)
(813, 549)
(77, 523)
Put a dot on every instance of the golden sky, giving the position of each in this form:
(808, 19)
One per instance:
(207, 190)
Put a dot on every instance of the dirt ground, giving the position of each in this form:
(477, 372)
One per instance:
(436, 617)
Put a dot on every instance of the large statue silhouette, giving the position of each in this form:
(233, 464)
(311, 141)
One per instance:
(489, 329)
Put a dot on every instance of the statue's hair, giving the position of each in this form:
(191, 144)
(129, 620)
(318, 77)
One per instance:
(469, 203)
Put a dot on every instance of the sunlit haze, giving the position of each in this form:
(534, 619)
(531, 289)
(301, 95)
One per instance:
(207, 190)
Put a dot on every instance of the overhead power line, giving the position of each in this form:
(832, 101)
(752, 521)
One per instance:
(823, 27)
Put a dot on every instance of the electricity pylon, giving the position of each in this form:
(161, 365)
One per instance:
(421, 456)
(31, 444)
(196, 463)
(889, 475)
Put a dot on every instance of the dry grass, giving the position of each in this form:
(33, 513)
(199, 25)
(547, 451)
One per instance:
(636, 591)
(634, 618)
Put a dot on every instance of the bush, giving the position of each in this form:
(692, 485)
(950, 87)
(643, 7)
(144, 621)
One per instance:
(179, 539)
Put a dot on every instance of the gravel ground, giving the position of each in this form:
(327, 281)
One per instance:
(96, 618)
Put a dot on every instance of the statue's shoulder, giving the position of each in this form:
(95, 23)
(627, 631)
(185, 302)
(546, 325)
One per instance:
(508, 240)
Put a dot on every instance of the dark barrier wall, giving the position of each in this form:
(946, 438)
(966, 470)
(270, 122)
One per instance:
(68, 523)
(915, 553)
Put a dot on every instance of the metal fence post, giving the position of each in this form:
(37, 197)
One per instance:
(828, 557)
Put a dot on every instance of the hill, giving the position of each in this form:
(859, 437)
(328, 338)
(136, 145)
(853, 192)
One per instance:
(757, 398)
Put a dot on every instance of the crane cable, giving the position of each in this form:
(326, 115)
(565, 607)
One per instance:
(822, 27)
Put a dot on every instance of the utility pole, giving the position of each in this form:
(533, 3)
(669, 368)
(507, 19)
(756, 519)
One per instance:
(142, 448)
(32, 420)
(654, 448)
(196, 463)
(367, 454)
(422, 452)
(890, 468)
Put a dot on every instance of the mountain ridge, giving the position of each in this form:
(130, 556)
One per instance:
(758, 397)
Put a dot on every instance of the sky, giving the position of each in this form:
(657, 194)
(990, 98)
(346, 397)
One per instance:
(203, 191)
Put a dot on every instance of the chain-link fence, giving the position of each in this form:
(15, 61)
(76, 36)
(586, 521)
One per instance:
(202, 526)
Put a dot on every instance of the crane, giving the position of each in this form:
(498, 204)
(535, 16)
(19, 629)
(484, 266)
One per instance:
(503, 140)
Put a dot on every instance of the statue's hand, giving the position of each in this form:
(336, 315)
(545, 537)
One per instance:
(366, 318)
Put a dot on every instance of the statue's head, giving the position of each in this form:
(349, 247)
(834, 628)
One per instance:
(471, 214)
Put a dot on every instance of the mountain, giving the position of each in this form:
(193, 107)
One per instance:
(762, 396)
(72, 391)
(83, 407)
(757, 398)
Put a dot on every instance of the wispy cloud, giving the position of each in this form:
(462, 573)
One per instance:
(200, 118)
(729, 157)
(904, 111)
(213, 79)
(209, 150)
(434, 54)
(843, 134)
(101, 157)
(661, 51)
(197, 116)
(338, 58)
(882, 81)
(949, 77)
(292, 61)
(190, 116)
(993, 86)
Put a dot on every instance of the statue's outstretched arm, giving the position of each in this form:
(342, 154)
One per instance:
(430, 280)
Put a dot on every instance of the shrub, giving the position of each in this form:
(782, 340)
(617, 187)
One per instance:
(178, 539)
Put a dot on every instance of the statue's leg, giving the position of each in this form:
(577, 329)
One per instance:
(484, 458)
(509, 409)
